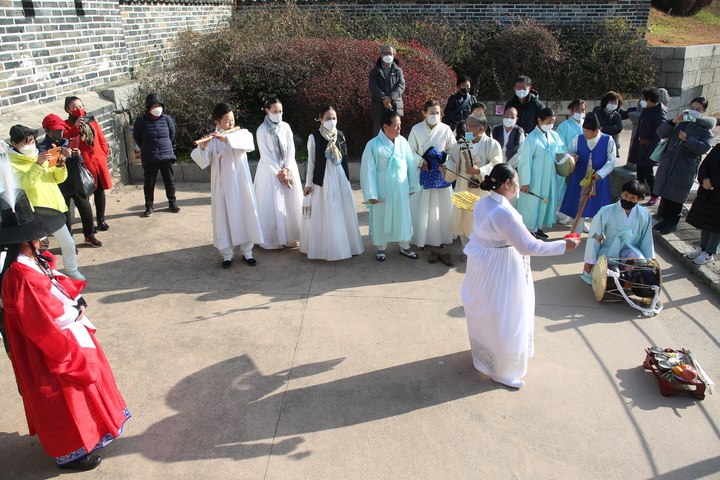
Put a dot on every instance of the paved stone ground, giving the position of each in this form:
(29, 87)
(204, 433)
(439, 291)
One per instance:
(356, 369)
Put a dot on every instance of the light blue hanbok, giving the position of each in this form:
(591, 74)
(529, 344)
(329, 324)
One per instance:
(536, 168)
(568, 130)
(388, 174)
(626, 235)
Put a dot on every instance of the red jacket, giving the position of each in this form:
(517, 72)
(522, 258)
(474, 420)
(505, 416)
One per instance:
(95, 157)
(68, 391)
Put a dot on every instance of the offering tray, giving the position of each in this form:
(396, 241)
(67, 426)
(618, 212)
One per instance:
(696, 388)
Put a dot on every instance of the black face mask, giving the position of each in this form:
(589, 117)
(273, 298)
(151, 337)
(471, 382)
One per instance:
(464, 91)
(56, 135)
(627, 204)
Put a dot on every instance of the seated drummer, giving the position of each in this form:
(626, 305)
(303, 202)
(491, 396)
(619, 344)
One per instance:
(620, 230)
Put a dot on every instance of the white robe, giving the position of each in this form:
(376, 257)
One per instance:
(486, 154)
(498, 292)
(279, 207)
(233, 207)
(431, 208)
(332, 231)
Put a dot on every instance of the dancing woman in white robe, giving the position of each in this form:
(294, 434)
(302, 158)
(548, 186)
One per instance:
(233, 207)
(431, 208)
(277, 181)
(332, 231)
(498, 292)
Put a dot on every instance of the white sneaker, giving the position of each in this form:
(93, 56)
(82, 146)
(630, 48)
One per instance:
(564, 219)
(695, 253)
(75, 274)
(703, 258)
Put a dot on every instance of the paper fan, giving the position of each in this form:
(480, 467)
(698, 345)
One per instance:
(464, 200)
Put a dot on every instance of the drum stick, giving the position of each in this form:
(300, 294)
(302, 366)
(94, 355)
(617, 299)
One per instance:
(471, 183)
(545, 200)
(370, 203)
(207, 138)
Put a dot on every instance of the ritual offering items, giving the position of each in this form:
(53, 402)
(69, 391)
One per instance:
(464, 200)
(616, 278)
(677, 372)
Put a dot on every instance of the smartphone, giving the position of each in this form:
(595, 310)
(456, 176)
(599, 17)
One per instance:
(689, 118)
(87, 118)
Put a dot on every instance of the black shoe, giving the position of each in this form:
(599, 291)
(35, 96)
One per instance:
(541, 235)
(174, 208)
(93, 241)
(88, 462)
(226, 264)
(148, 212)
(102, 226)
(668, 228)
(250, 261)
(660, 225)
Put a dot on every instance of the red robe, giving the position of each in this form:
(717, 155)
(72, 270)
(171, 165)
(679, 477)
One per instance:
(95, 157)
(69, 392)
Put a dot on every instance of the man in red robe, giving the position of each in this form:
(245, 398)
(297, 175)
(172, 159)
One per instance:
(71, 401)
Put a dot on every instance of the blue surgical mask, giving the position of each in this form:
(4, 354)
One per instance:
(469, 136)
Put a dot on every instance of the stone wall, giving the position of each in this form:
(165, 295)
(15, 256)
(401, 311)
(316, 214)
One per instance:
(58, 50)
(574, 11)
(689, 72)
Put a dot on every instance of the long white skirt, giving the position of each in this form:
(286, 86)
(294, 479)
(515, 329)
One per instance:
(332, 231)
(279, 208)
(430, 211)
(499, 299)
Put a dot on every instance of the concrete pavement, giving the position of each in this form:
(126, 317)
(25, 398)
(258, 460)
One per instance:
(299, 369)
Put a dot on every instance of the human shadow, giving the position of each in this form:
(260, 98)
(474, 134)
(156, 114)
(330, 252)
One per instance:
(232, 410)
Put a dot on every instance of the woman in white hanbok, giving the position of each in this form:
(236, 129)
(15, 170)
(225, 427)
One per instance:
(277, 181)
(498, 293)
(233, 206)
(431, 209)
(332, 231)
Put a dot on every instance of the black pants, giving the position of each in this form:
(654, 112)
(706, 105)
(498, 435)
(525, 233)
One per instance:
(86, 215)
(645, 174)
(670, 209)
(99, 198)
(166, 170)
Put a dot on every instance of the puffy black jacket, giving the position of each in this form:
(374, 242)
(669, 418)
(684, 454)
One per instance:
(393, 86)
(154, 136)
(527, 111)
(645, 138)
(705, 211)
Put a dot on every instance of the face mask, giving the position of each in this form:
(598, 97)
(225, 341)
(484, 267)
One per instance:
(578, 117)
(464, 91)
(627, 204)
(546, 128)
(643, 104)
(509, 122)
(469, 136)
(522, 93)
(330, 124)
(80, 112)
(56, 135)
(275, 117)
(610, 107)
(388, 59)
(694, 113)
(433, 119)
(156, 112)
(29, 151)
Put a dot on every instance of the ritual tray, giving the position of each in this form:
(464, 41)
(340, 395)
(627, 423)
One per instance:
(696, 388)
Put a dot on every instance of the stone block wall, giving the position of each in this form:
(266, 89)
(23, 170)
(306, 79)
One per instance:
(59, 50)
(574, 11)
(689, 72)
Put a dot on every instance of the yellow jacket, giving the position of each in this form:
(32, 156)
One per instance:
(39, 182)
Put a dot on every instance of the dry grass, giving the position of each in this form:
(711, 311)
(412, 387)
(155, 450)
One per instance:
(702, 28)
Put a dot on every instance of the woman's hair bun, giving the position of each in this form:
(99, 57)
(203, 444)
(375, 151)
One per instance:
(489, 183)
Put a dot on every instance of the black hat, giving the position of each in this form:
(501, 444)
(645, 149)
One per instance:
(18, 133)
(591, 122)
(152, 99)
(20, 223)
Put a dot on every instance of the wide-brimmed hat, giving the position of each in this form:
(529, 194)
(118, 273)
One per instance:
(19, 222)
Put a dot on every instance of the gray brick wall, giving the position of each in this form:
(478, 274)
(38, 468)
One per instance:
(575, 11)
(56, 53)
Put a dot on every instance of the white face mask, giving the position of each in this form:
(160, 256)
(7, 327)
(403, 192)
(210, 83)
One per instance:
(610, 107)
(388, 59)
(694, 113)
(546, 128)
(330, 124)
(156, 112)
(509, 122)
(275, 117)
(29, 151)
(522, 93)
(433, 119)
(578, 117)
(643, 104)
